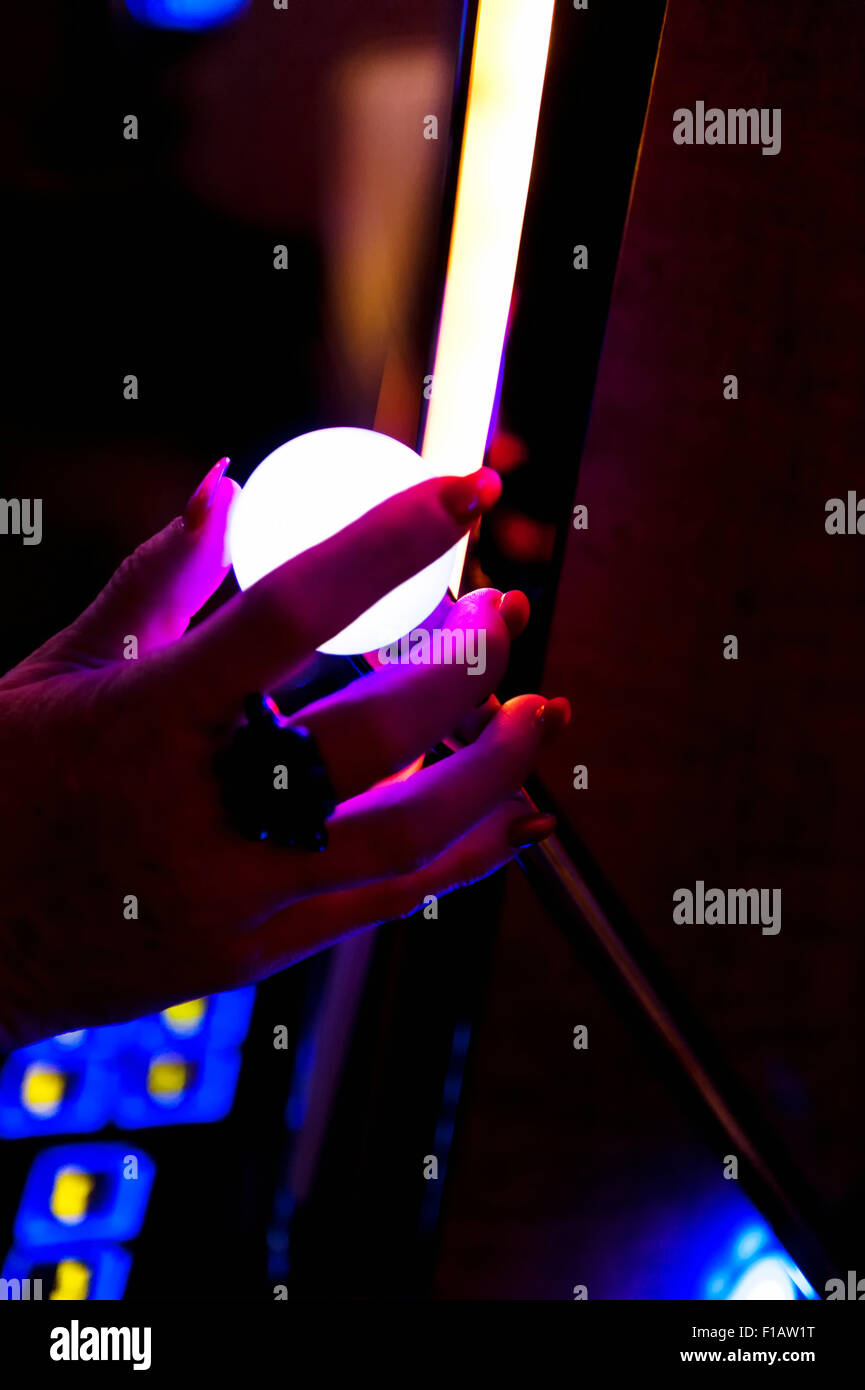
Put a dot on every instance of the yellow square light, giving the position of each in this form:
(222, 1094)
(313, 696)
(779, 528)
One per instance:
(71, 1280)
(42, 1089)
(167, 1076)
(185, 1019)
(71, 1195)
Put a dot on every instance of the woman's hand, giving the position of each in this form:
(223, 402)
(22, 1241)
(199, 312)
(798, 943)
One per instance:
(125, 889)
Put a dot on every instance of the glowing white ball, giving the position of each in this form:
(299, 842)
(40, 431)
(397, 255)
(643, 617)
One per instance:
(313, 486)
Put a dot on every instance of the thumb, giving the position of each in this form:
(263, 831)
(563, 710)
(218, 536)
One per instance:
(157, 588)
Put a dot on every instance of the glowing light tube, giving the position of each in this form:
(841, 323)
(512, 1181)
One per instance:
(509, 61)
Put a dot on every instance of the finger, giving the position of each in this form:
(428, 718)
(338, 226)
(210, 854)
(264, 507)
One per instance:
(473, 724)
(152, 596)
(299, 930)
(261, 635)
(378, 724)
(516, 611)
(399, 826)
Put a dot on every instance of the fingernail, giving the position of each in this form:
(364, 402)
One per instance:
(530, 830)
(468, 498)
(198, 506)
(553, 716)
(515, 611)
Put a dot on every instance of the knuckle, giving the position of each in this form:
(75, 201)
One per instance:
(129, 577)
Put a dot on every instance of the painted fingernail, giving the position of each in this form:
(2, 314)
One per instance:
(515, 610)
(553, 716)
(198, 506)
(530, 830)
(468, 498)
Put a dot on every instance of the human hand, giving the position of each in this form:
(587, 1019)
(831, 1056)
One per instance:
(126, 889)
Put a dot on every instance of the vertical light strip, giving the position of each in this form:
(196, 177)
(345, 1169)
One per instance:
(512, 40)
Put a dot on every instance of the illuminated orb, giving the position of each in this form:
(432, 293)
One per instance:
(184, 14)
(313, 486)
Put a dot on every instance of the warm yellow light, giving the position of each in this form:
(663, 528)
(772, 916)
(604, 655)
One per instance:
(71, 1194)
(71, 1280)
(185, 1018)
(167, 1077)
(507, 78)
(42, 1089)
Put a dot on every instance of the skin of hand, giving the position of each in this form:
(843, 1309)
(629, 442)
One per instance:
(109, 792)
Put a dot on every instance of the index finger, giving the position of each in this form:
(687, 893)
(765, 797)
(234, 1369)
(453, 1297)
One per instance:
(260, 636)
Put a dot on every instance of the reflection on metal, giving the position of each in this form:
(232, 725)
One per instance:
(774, 1189)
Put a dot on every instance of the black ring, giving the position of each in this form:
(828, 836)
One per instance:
(274, 783)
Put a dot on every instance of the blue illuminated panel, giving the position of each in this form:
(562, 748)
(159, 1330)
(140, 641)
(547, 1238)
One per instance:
(184, 14)
(85, 1042)
(79, 1270)
(47, 1091)
(219, 1020)
(82, 1192)
(76, 1083)
(180, 1084)
(180, 1066)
